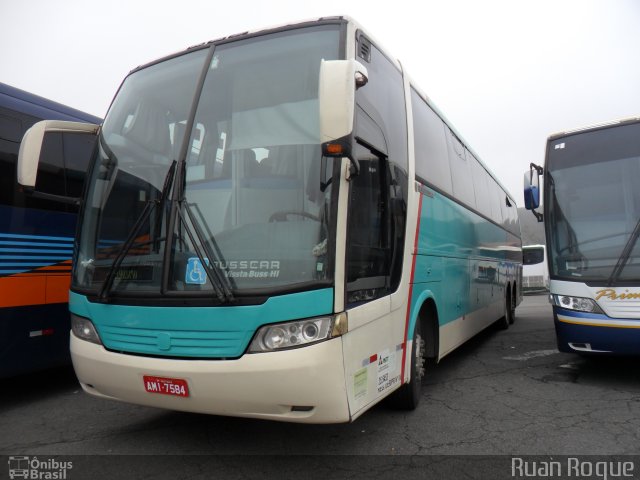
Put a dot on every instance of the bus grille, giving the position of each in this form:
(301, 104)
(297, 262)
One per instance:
(183, 343)
(620, 308)
(533, 281)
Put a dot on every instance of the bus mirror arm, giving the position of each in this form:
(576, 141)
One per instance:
(354, 170)
(539, 170)
(539, 216)
(51, 197)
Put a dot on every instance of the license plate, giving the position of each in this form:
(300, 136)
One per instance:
(166, 386)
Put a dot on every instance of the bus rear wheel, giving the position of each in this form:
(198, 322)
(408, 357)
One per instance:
(512, 316)
(507, 319)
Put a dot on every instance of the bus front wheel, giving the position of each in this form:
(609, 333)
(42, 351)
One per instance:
(407, 397)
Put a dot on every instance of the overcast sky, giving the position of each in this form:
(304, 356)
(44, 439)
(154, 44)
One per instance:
(506, 73)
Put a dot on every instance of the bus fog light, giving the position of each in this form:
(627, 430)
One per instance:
(83, 329)
(579, 304)
(292, 334)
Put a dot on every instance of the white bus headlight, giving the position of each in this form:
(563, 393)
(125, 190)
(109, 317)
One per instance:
(580, 304)
(84, 329)
(292, 334)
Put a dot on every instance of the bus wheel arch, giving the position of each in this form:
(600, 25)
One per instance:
(428, 318)
(424, 346)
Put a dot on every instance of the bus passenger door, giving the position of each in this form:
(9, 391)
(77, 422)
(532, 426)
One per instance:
(372, 357)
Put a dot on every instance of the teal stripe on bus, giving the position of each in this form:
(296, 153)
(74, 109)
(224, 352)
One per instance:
(459, 252)
(195, 332)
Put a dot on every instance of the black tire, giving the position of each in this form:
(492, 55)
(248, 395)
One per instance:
(504, 322)
(407, 397)
(512, 316)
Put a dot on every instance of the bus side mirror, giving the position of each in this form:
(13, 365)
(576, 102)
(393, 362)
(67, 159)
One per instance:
(31, 152)
(339, 80)
(532, 189)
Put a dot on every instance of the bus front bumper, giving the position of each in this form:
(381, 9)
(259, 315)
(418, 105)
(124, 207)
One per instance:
(304, 385)
(596, 334)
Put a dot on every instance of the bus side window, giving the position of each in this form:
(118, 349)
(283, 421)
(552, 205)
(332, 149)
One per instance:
(368, 230)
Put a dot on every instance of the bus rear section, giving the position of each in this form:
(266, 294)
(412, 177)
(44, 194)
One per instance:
(592, 222)
(535, 276)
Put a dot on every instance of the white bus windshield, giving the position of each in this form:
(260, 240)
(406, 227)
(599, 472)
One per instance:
(254, 209)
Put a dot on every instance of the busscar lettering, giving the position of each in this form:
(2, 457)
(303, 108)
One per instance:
(249, 265)
(250, 268)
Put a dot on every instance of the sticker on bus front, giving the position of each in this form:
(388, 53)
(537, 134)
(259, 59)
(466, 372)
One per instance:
(195, 273)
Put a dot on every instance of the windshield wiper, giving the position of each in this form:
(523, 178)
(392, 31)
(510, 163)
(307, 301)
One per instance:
(624, 256)
(122, 253)
(130, 240)
(168, 182)
(212, 239)
(220, 282)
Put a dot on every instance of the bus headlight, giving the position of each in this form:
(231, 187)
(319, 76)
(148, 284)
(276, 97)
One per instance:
(83, 329)
(296, 334)
(580, 304)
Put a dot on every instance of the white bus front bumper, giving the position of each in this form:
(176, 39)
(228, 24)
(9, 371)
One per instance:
(300, 385)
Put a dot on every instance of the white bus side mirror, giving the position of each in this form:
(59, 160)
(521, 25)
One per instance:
(31, 151)
(339, 80)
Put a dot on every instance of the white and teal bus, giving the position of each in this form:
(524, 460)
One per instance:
(592, 222)
(280, 225)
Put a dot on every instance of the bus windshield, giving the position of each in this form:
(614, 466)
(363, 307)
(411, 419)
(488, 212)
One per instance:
(232, 184)
(594, 205)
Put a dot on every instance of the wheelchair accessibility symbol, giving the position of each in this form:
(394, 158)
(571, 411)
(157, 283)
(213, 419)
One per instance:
(195, 274)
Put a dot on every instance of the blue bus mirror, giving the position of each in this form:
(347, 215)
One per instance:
(532, 189)
(531, 197)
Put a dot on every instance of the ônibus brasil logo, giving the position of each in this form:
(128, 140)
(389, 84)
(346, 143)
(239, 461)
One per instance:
(32, 468)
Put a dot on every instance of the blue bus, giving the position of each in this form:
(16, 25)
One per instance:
(36, 235)
(591, 215)
(281, 225)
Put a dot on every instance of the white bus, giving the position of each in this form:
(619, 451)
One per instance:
(280, 225)
(535, 276)
(592, 223)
